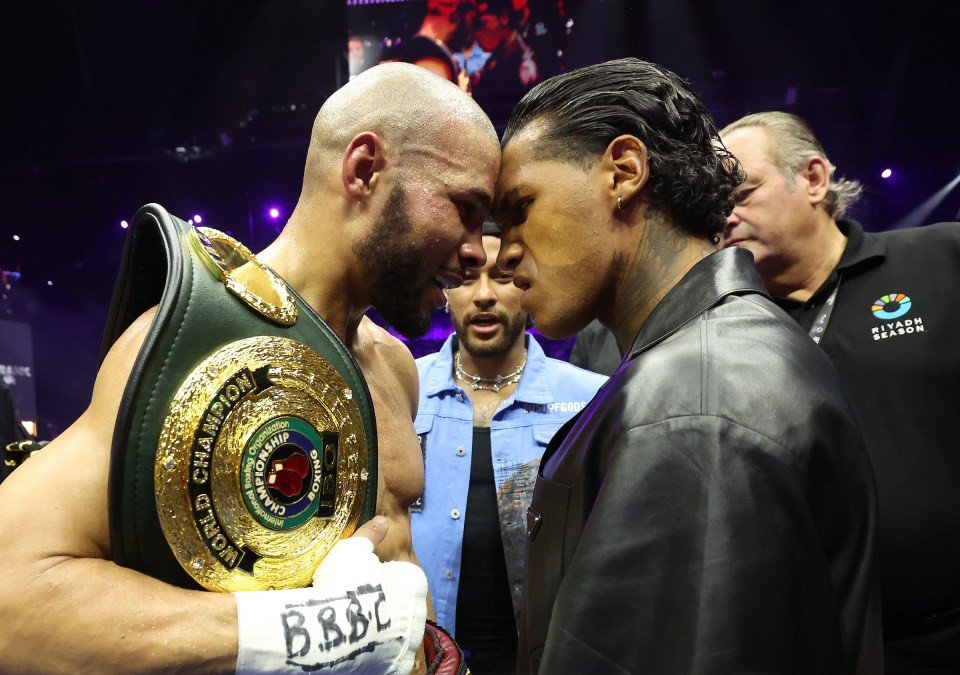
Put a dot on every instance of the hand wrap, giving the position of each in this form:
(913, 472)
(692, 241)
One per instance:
(360, 616)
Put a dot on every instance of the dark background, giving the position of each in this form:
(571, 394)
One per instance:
(205, 107)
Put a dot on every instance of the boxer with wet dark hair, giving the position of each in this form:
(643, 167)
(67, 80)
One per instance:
(712, 510)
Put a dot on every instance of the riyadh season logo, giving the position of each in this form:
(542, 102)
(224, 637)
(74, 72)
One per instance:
(891, 306)
(889, 309)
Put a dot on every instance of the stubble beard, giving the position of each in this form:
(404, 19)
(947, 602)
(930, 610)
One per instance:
(484, 349)
(398, 267)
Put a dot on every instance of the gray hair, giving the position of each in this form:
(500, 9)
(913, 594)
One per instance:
(796, 145)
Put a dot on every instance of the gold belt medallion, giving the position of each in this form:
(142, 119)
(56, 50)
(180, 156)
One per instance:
(261, 466)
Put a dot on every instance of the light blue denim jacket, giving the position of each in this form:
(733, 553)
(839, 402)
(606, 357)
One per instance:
(550, 392)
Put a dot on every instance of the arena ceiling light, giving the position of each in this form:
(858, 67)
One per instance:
(920, 214)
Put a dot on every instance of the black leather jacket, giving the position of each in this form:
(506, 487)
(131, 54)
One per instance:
(712, 510)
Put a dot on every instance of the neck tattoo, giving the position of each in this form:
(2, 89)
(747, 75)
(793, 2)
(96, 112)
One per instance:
(492, 384)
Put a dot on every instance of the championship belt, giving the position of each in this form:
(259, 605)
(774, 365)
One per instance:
(245, 443)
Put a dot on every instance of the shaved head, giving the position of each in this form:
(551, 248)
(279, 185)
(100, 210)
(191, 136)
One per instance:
(400, 173)
(408, 107)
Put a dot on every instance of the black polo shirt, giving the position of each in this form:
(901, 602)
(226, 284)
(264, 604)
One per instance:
(894, 337)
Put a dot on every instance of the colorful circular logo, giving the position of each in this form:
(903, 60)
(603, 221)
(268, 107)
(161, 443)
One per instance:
(281, 473)
(891, 306)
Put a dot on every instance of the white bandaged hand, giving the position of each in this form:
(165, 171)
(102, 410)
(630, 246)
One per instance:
(360, 616)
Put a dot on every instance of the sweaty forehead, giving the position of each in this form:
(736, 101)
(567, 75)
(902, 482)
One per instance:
(525, 142)
(473, 157)
(517, 156)
(458, 156)
(522, 165)
(463, 143)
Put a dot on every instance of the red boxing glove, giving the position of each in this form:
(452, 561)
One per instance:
(442, 653)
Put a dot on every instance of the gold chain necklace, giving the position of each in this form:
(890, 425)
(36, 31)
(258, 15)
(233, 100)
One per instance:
(492, 384)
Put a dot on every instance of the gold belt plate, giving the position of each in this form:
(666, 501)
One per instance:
(261, 466)
(255, 284)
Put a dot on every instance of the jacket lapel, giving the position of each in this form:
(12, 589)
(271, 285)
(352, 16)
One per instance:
(727, 272)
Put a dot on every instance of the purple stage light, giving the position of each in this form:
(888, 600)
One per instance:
(886, 173)
(16, 237)
(274, 212)
(124, 224)
(197, 218)
(49, 283)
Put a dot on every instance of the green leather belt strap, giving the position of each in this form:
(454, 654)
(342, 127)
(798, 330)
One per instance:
(195, 316)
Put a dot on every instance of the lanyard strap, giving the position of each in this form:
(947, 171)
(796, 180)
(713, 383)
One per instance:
(819, 327)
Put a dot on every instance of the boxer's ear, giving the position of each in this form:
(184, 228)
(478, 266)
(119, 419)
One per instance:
(626, 161)
(362, 163)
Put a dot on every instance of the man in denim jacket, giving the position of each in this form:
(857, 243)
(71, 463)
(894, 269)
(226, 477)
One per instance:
(490, 401)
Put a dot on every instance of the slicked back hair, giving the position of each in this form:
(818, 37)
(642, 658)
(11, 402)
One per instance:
(692, 176)
(793, 143)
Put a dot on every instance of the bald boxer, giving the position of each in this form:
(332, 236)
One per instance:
(399, 174)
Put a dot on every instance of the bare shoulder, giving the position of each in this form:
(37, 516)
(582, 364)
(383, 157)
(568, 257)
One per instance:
(387, 357)
(370, 335)
(66, 483)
